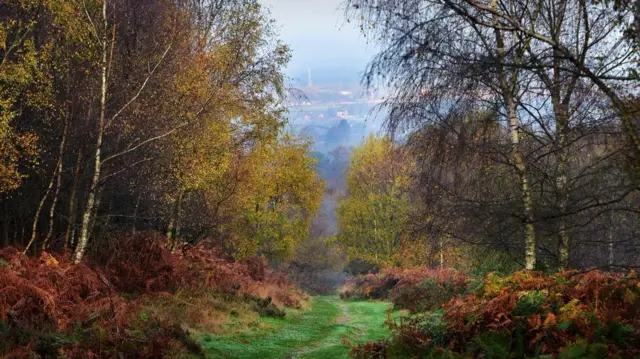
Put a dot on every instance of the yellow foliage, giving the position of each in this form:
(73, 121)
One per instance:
(493, 285)
(50, 260)
(278, 198)
(571, 310)
(374, 215)
(415, 254)
(26, 77)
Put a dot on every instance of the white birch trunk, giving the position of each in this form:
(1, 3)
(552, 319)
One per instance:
(563, 195)
(525, 191)
(88, 211)
(507, 86)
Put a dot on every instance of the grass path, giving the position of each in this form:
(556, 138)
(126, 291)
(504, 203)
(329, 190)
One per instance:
(314, 333)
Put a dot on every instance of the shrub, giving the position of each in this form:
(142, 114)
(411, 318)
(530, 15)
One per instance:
(416, 289)
(528, 314)
(372, 350)
(267, 309)
(52, 308)
(426, 295)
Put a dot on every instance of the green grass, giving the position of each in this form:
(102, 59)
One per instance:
(314, 333)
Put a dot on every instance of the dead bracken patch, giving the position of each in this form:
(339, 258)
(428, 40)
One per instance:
(49, 306)
(526, 314)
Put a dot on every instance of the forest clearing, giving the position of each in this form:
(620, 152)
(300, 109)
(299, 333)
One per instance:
(170, 189)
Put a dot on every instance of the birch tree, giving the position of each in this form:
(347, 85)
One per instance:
(610, 68)
(435, 55)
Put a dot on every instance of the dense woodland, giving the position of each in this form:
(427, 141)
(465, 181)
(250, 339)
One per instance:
(514, 127)
(145, 115)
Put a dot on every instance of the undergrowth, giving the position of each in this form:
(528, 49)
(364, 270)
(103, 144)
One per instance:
(527, 314)
(416, 289)
(139, 301)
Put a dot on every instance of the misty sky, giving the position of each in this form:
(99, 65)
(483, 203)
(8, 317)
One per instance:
(319, 36)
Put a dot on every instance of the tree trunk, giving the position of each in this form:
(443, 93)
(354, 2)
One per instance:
(530, 234)
(563, 244)
(36, 216)
(441, 252)
(525, 189)
(507, 87)
(561, 112)
(96, 210)
(70, 234)
(561, 183)
(52, 210)
(178, 220)
(171, 227)
(87, 216)
(174, 223)
(610, 240)
(563, 233)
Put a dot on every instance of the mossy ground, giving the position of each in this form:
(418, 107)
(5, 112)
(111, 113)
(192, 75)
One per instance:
(317, 332)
